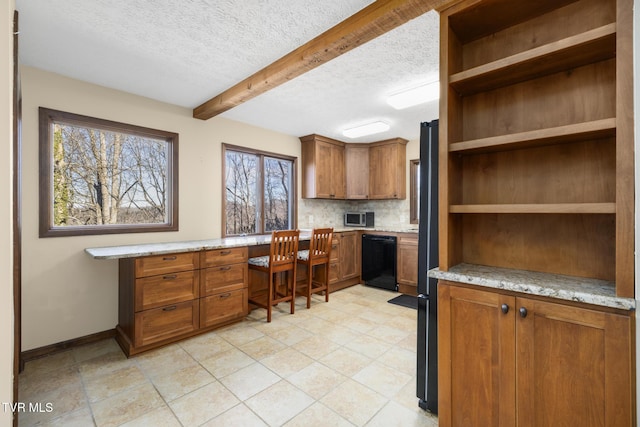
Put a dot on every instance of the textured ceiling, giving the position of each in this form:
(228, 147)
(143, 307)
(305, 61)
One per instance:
(185, 52)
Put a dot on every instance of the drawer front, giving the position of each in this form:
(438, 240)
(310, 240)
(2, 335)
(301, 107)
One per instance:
(335, 249)
(224, 278)
(169, 263)
(223, 307)
(159, 324)
(220, 257)
(171, 288)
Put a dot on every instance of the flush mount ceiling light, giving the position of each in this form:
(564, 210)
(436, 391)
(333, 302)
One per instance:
(415, 96)
(364, 130)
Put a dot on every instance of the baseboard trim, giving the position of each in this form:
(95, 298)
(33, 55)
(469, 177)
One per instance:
(51, 349)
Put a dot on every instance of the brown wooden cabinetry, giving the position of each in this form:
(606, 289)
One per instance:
(407, 272)
(323, 168)
(224, 286)
(164, 298)
(536, 173)
(508, 360)
(333, 169)
(388, 169)
(344, 265)
(536, 134)
(357, 171)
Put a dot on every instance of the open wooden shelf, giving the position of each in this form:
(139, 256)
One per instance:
(596, 129)
(526, 208)
(592, 46)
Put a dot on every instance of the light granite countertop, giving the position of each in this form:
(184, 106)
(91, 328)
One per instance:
(132, 251)
(590, 291)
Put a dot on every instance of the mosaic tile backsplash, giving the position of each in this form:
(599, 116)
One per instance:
(391, 214)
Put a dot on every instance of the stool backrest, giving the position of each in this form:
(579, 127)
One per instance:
(284, 247)
(320, 245)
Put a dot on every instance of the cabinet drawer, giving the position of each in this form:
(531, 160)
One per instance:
(223, 307)
(169, 263)
(224, 278)
(223, 256)
(171, 288)
(159, 324)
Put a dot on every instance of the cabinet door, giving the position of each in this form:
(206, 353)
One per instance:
(407, 261)
(476, 363)
(338, 184)
(574, 366)
(357, 171)
(334, 262)
(223, 307)
(323, 178)
(349, 255)
(387, 178)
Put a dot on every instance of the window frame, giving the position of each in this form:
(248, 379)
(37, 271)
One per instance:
(261, 154)
(47, 117)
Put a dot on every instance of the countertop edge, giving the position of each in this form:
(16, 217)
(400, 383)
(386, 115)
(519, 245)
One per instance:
(593, 293)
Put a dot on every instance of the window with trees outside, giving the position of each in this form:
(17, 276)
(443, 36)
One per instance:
(259, 191)
(104, 177)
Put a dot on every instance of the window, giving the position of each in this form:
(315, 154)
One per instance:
(414, 190)
(103, 177)
(259, 191)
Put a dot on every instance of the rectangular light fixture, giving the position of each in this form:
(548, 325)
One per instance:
(364, 130)
(415, 96)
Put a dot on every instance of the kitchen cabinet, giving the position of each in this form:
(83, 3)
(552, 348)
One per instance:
(344, 265)
(333, 169)
(407, 262)
(323, 168)
(536, 134)
(388, 169)
(165, 298)
(357, 171)
(224, 286)
(509, 360)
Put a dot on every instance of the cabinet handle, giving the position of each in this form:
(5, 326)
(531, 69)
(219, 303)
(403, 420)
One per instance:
(225, 268)
(523, 312)
(504, 308)
(169, 258)
(225, 252)
(173, 307)
(223, 296)
(169, 277)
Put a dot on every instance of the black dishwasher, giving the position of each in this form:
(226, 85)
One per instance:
(379, 261)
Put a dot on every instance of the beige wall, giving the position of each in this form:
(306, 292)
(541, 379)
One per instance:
(67, 294)
(6, 210)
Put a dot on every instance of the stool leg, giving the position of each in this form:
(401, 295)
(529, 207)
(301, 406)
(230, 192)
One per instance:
(269, 297)
(309, 284)
(326, 282)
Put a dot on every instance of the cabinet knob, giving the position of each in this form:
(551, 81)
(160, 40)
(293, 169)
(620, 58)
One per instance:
(523, 312)
(504, 308)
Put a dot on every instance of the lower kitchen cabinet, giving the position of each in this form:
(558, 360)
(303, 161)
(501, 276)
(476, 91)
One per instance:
(165, 298)
(407, 262)
(506, 360)
(344, 265)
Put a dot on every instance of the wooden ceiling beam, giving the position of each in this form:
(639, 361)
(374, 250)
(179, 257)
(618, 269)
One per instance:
(372, 21)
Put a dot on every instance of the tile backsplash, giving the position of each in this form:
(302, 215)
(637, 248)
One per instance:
(392, 214)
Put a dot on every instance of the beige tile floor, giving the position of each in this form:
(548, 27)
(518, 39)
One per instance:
(345, 363)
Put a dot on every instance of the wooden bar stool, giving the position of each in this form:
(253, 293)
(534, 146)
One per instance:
(318, 254)
(281, 259)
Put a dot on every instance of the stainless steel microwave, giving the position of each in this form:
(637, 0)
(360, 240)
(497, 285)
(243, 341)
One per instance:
(359, 219)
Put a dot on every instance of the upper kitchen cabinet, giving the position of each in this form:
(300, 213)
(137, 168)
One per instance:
(388, 169)
(323, 168)
(536, 134)
(333, 169)
(357, 173)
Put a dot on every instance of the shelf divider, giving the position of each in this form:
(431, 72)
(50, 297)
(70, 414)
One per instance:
(526, 208)
(596, 129)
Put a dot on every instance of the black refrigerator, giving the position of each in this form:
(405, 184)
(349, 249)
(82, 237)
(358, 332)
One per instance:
(427, 353)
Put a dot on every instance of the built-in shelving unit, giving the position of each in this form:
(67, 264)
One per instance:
(536, 138)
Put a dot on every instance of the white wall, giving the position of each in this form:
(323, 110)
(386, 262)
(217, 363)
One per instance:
(65, 293)
(6, 209)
